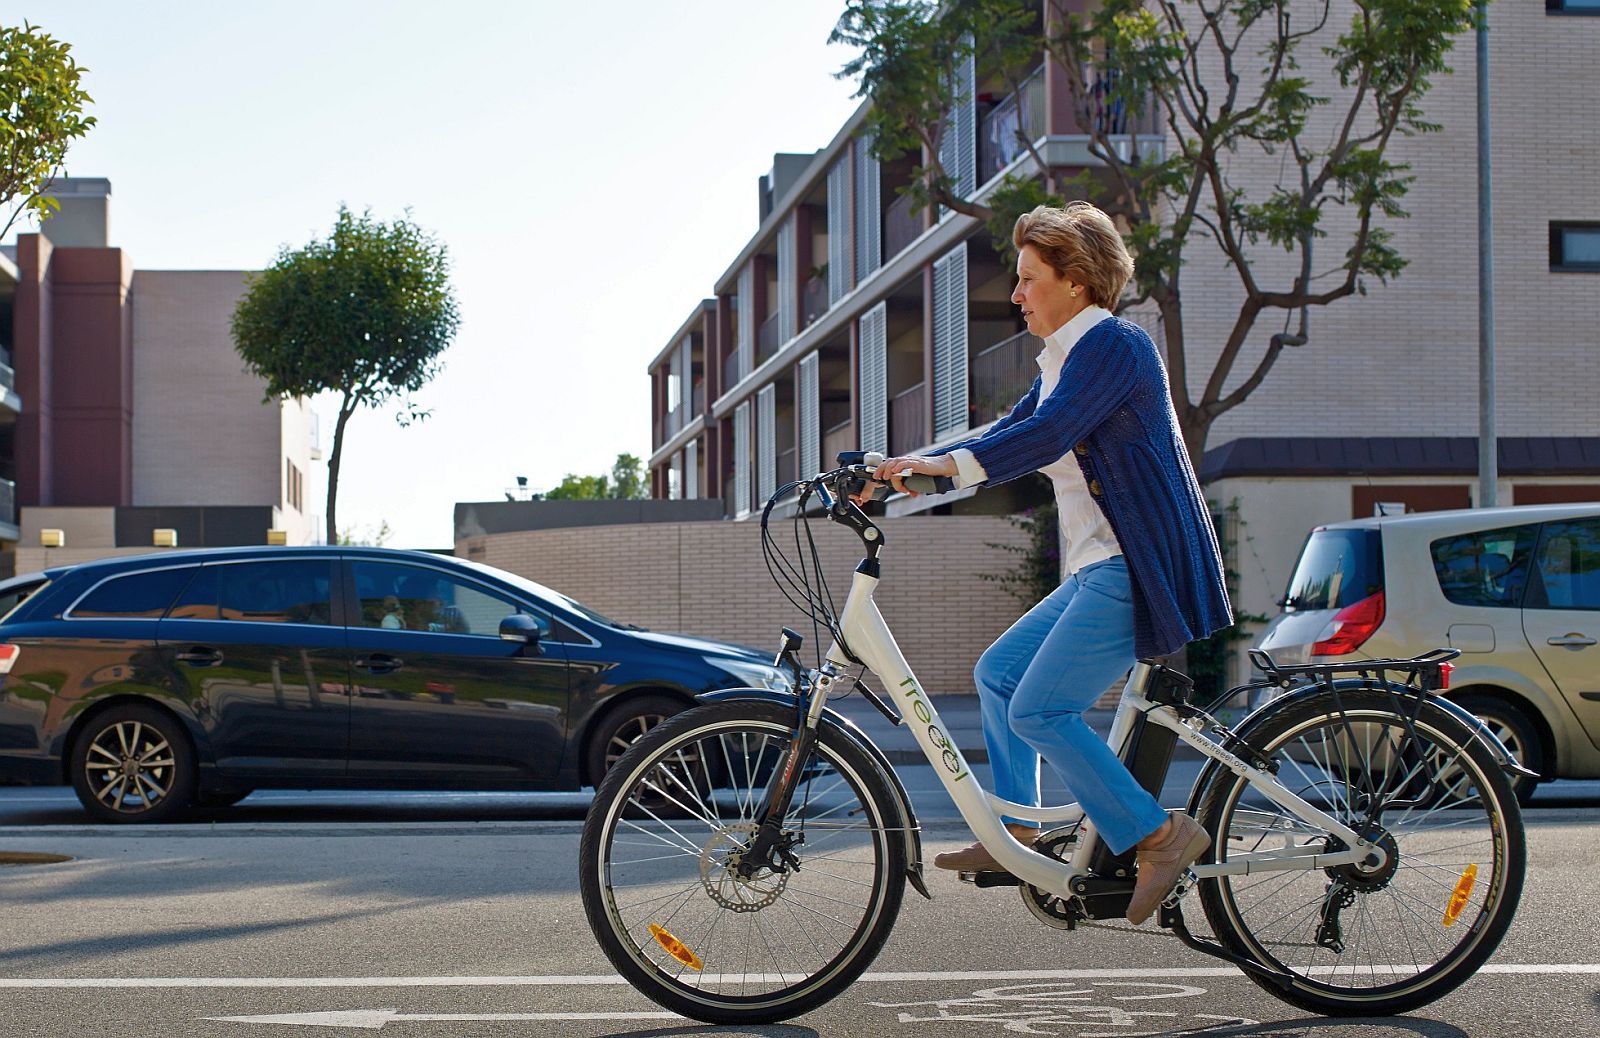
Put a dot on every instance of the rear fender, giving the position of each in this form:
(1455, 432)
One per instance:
(907, 822)
(1480, 731)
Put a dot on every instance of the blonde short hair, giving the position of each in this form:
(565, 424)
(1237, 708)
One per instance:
(1080, 242)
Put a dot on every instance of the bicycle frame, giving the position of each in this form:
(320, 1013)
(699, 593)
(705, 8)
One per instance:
(868, 636)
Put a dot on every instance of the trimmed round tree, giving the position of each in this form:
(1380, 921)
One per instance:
(364, 313)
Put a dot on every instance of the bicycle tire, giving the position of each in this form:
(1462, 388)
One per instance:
(1329, 749)
(700, 790)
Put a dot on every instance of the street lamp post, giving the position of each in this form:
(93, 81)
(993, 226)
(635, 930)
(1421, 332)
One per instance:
(1488, 445)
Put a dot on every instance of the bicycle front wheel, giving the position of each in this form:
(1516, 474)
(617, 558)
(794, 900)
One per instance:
(1382, 941)
(661, 874)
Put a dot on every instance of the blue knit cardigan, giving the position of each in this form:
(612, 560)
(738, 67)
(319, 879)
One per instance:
(1112, 410)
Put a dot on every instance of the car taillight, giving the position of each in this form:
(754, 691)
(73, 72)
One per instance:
(1349, 627)
(8, 656)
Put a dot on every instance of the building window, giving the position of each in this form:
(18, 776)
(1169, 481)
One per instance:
(1572, 6)
(1575, 246)
(293, 486)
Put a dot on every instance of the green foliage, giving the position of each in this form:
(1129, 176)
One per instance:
(364, 313)
(625, 482)
(909, 52)
(1208, 658)
(42, 102)
(1013, 197)
(1171, 97)
(1036, 569)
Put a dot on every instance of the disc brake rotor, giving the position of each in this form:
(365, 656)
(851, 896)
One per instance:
(719, 859)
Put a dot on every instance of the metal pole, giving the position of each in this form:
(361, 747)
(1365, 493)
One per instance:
(1488, 445)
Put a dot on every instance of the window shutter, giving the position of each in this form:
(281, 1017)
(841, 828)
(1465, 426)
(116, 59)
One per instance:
(958, 147)
(691, 470)
(869, 215)
(788, 281)
(808, 457)
(950, 342)
(840, 238)
(745, 347)
(875, 379)
(741, 459)
(766, 443)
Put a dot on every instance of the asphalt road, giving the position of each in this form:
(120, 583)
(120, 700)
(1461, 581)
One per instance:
(458, 915)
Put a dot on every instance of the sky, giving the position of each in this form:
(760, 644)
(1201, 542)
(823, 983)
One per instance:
(591, 168)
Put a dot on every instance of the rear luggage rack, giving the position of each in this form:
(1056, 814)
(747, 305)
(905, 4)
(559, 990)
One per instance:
(1429, 672)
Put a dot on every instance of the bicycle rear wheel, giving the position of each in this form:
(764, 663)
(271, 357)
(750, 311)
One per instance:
(1387, 941)
(660, 856)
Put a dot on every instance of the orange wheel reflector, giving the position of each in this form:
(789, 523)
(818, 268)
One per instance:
(677, 949)
(1458, 897)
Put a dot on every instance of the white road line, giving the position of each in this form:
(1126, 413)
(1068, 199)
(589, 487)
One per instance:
(612, 979)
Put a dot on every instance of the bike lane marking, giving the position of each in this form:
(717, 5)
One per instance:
(612, 979)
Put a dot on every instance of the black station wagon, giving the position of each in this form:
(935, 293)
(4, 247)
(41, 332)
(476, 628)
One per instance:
(160, 682)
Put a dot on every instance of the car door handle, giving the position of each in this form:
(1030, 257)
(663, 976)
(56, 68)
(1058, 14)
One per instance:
(379, 663)
(200, 656)
(1573, 640)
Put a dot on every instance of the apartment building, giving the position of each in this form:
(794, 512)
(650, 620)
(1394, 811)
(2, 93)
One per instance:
(130, 412)
(849, 321)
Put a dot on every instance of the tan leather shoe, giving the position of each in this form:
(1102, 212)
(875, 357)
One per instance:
(976, 857)
(1161, 863)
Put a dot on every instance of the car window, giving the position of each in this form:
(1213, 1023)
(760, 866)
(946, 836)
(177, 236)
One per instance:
(134, 595)
(17, 594)
(1486, 567)
(417, 598)
(295, 591)
(1336, 568)
(1567, 566)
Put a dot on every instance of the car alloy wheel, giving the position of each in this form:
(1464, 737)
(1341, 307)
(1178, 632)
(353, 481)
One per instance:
(131, 767)
(133, 764)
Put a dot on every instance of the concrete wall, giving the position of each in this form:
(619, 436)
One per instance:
(709, 579)
(201, 432)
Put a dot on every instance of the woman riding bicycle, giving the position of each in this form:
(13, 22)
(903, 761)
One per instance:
(1141, 572)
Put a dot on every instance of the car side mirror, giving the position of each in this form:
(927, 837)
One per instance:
(522, 628)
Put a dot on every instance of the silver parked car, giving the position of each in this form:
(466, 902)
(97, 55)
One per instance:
(1517, 590)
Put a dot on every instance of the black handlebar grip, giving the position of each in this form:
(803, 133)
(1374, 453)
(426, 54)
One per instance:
(917, 484)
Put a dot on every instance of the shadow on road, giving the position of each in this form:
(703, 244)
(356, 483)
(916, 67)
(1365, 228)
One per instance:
(1341, 1027)
(767, 1031)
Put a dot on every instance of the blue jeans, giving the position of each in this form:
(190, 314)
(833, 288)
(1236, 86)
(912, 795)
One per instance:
(1035, 682)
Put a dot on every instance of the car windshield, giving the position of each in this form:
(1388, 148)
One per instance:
(1337, 568)
(539, 591)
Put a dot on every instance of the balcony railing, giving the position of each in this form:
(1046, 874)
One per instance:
(673, 423)
(730, 370)
(1001, 374)
(697, 400)
(813, 301)
(767, 340)
(8, 502)
(730, 500)
(908, 421)
(901, 227)
(841, 437)
(998, 144)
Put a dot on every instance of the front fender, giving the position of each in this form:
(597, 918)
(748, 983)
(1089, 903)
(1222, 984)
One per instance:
(1473, 724)
(851, 731)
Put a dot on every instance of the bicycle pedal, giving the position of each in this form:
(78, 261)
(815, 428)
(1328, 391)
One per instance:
(1179, 889)
(989, 878)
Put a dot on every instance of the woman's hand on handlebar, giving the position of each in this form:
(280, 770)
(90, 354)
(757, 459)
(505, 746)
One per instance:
(893, 469)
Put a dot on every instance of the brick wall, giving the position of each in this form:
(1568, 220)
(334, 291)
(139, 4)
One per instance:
(1403, 360)
(709, 579)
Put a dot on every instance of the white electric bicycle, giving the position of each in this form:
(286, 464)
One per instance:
(745, 861)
